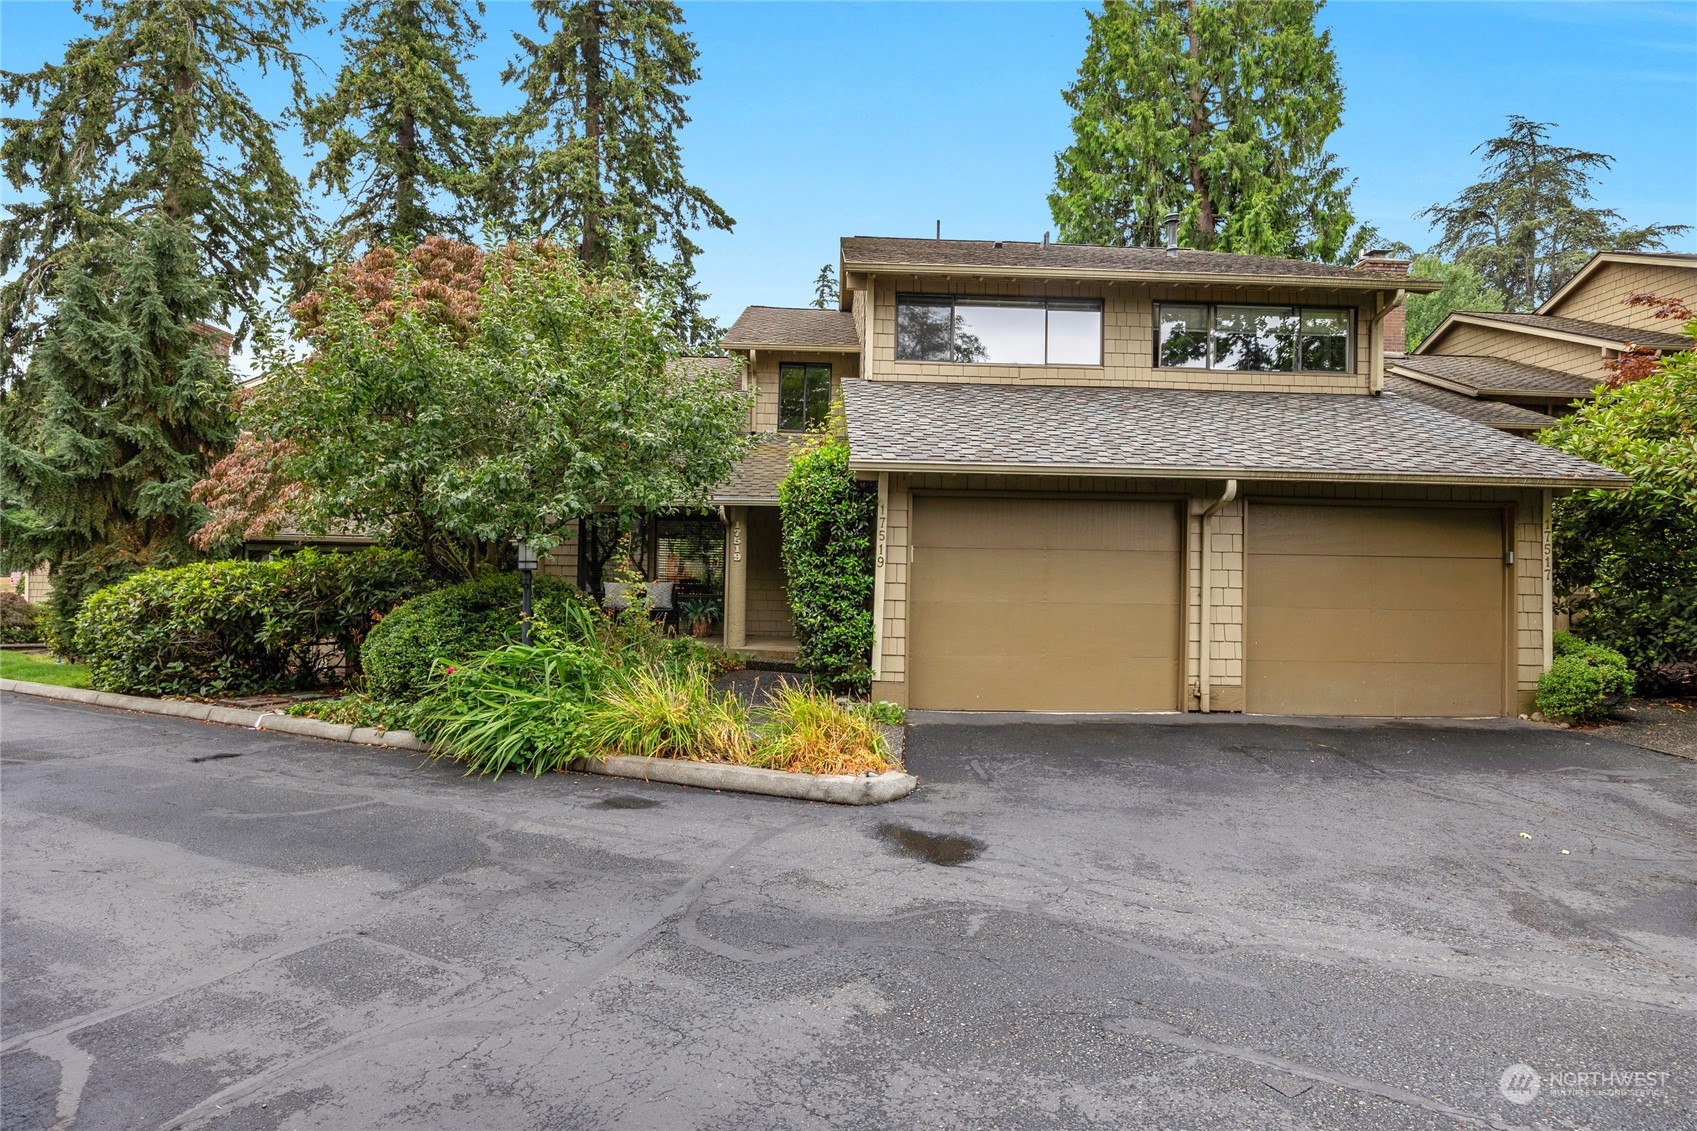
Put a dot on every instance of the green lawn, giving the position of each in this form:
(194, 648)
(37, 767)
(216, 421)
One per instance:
(41, 669)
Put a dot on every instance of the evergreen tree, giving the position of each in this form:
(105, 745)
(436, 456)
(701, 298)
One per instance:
(1462, 290)
(123, 407)
(825, 288)
(1528, 225)
(401, 134)
(145, 118)
(1217, 110)
(596, 159)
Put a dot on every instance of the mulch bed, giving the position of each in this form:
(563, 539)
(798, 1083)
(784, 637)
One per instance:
(1668, 726)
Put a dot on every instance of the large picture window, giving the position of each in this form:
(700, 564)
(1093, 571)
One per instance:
(804, 396)
(999, 331)
(1259, 339)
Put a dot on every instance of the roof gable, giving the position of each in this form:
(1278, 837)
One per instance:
(1554, 326)
(1584, 276)
(796, 327)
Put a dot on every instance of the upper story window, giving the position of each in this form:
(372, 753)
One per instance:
(804, 396)
(1263, 339)
(999, 331)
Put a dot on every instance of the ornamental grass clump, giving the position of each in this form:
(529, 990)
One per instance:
(807, 731)
(668, 714)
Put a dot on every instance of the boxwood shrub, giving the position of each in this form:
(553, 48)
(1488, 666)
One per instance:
(452, 624)
(1582, 680)
(240, 627)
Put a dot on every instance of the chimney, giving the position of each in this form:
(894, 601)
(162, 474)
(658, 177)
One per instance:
(1378, 261)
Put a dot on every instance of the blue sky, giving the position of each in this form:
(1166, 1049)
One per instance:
(818, 120)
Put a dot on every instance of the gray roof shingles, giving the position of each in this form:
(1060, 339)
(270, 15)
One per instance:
(1510, 417)
(793, 326)
(875, 251)
(1483, 376)
(756, 476)
(1037, 429)
(1652, 339)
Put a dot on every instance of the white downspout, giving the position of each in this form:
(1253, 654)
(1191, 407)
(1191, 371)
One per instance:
(1206, 646)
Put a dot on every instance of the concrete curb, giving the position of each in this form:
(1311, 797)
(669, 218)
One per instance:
(838, 789)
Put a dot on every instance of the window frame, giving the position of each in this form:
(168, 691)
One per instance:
(1297, 311)
(1090, 303)
(804, 366)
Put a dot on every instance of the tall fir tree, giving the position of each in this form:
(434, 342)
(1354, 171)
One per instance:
(145, 117)
(1530, 224)
(594, 157)
(825, 288)
(403, 140)
(123, 407)
(1217, 110)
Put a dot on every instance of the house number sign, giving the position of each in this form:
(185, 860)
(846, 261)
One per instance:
(736, 541)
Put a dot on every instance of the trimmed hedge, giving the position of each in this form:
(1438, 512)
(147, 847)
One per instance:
(240, 627)
(20, 621)
(452, 624)
(1582, 680)
(828, 524)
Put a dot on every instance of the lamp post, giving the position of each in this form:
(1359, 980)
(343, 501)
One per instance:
(527, 566)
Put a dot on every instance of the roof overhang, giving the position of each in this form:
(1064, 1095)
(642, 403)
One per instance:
(789, 347)
(1248, 474)
(1463, 318)
(1368, 283)
(1477, 391)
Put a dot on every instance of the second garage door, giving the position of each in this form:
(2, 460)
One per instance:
(1374, 610)
(1044, 605)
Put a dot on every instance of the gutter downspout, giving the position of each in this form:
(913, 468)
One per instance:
(1376, 343)
(1205, 649)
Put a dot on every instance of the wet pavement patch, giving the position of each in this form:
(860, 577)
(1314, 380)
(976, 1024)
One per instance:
(217, 756)
(626, 803)
(933, 848)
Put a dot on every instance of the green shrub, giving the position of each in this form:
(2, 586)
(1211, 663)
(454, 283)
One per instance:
(1582, 679)
(19, 620)
(454, 624)
(519, 708)
(828, 524)
(355, 709)
(239, 627)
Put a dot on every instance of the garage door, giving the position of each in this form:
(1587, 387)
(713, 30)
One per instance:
(1044, 605)
(1374, 611)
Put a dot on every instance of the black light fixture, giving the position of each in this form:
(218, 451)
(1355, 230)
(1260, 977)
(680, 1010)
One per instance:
(1170, 224)
(527, 567)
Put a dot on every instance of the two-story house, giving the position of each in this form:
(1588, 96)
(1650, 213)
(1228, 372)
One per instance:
(1520, 371)
(1146, 479)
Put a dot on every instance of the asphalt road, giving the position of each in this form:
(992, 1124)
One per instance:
(1218, 925)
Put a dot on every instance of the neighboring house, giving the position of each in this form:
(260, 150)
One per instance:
(1137, 479)
(1544, 362)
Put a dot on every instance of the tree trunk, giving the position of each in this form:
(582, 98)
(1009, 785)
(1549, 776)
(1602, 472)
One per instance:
(593, 86)
(1199, 128)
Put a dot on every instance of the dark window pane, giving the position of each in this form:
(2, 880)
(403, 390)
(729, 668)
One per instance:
(792, 398)
(1327, 355)
(818, 394)
(1006, 332)
(1184, 337)
(1075, 333)
(1254, 338)
(923, 328)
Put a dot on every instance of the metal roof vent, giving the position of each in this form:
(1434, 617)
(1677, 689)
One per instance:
(1170, 224)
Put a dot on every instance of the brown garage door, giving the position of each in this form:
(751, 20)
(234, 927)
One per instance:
(1044, 605)
(1374, 610)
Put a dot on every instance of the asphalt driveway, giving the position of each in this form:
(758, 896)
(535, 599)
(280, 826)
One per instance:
(1220, 925)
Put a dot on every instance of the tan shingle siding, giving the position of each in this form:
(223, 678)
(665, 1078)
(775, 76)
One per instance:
(1530, 349)
(1598, 297)
(1128, 317)
(764, 380)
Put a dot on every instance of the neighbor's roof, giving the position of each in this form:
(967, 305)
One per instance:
(1508, 417)
(1577, 329)
(1072, 260)
(729, 366)
(1480, 376)
(803, 327)
(1188, 433)
(1683, 259)
(755, 478)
